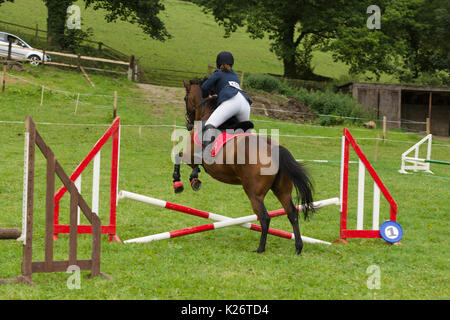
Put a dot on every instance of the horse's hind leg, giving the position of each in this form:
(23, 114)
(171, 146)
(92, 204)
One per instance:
(260, 210)
(195, 181)
(283, 193)
(177, 184)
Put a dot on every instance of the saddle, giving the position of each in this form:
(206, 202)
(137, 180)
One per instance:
(221, 139)
(234, 124)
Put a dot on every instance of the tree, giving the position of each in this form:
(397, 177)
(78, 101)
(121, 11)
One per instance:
(428, 37)
(143, 12)
(294, 27)
(412, 40)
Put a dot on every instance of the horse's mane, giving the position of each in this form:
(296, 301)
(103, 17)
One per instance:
(210, 102)
(198, 81)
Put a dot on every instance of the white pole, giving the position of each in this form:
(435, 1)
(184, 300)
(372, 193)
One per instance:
(139, 197)
(96, 184)
(416, 155)
(76, 104)
(78, 186)
(361, 181)
(429, 153)
(23, 237)
(341, 187)
(376, 207)
(118, 166)
(42, 95)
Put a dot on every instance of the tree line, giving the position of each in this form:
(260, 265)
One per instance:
(410, 41)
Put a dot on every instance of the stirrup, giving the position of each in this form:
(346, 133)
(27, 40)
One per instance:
(205, 143)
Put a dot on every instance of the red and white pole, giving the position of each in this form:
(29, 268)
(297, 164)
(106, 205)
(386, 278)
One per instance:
(223, 221)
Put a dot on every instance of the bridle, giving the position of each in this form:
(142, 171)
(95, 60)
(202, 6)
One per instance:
(189, 114)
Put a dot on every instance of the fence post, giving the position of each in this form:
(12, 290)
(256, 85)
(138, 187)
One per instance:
(79, 62)
(210, 69)
(131, 76)
(36, 33)
(42, 95)
(384, 129)
(376, 148)
(9, 49)
(430, 104)
(4, 76)
(136, 71)
(115, 105)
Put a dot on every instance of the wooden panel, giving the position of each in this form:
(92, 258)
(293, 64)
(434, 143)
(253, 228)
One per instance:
(61, 266)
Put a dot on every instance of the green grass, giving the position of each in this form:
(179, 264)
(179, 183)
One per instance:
(217, 264)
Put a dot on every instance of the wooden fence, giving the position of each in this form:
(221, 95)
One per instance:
(174, 78)
(69, 60)
(37, 37)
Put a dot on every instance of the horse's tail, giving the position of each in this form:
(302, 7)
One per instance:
(299, 177)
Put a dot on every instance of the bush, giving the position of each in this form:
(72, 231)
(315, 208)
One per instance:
(261, 82)
(332, 108)
(337, 106)
(266, 83)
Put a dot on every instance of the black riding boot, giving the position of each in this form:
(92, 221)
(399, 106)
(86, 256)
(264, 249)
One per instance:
(207, 138)
(206, 132)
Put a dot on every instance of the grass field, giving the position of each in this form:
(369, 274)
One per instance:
(197, 39)
(218, 264)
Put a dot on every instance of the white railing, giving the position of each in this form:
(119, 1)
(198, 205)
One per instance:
(415, 163)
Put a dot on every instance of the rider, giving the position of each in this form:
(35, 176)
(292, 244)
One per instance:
(232, 101)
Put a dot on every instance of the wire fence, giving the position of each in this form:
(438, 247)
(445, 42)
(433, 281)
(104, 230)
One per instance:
(74, 94)
(76, 98)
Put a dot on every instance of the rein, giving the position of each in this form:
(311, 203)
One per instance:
(191, 114)
(203, 105)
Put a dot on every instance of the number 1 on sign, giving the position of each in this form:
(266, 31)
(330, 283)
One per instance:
(393, 232)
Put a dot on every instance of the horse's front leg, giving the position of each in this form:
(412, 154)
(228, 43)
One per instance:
(177, 184)
(195, 181)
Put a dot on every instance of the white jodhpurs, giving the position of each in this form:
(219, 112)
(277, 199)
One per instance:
(237, 106)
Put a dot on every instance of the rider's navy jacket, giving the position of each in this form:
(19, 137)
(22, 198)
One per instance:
(226, 85)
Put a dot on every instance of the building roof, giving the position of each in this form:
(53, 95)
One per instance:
(396, 87)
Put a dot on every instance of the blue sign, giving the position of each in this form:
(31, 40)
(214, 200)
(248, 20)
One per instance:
(391, 231)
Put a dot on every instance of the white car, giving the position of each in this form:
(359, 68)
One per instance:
(20, 49)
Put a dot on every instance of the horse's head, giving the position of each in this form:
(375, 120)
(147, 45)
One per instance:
(193, 99)
(197, 108)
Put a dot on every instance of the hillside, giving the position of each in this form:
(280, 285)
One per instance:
(197, 39)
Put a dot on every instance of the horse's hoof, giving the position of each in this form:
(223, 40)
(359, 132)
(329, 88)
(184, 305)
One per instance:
(259, 250)
(178, 187)
(196, 184)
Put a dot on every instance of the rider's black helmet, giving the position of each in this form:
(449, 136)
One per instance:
(224, 57)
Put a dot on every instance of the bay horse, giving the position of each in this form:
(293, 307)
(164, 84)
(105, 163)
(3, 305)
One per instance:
(288, 173)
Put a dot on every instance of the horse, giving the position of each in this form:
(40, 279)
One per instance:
(255, 176)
